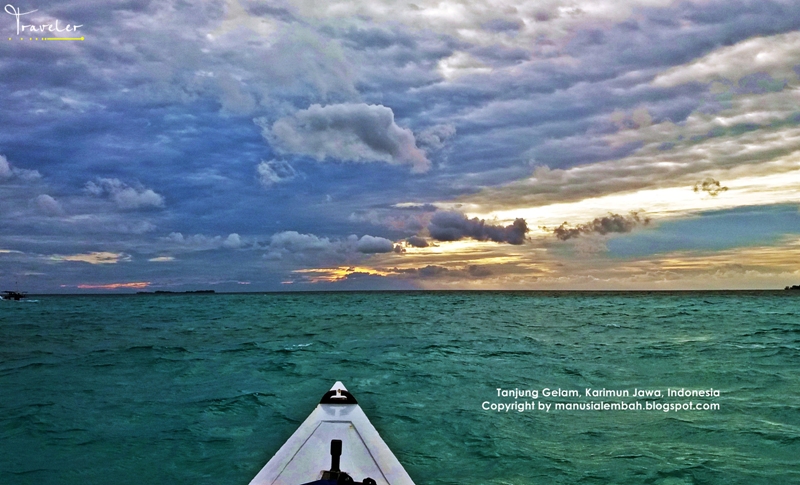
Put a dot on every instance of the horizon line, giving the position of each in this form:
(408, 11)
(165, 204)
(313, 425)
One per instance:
(214, 292)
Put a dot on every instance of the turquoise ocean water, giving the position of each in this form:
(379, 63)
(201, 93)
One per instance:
(203, 389)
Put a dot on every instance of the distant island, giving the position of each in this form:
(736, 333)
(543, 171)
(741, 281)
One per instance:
(794, 287)
(164, 292)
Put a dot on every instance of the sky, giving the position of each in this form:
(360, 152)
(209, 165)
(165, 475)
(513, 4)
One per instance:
(371, 145)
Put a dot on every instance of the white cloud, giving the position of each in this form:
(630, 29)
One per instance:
(348, 132)
(371, 245)
(274, 172)
(233, 241)
(477, 21)
(48, 205)
(5, 167)
(238, 19)
(234, 98)
(123, 195)
(461, 64)
(196, 241)
(8, 171)
(776, 55)
(433, 138)
(295, 243)
(201, 242)
(255, 59)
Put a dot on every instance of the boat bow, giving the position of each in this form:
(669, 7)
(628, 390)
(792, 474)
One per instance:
(305, 456)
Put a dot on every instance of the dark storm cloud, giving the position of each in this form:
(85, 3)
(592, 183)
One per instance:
(454, 226)
(612, 223)
(417, 242)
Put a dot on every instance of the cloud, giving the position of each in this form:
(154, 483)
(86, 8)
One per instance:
(340, 273)
(429, 271)
(136, 285)
(439, 271)
(311, 247)
(503, 25)
(461, 64)
(274, 172)
(484, 22)
(558, 71)
(123, 195)
(395, 219)
(612, 223)
(96, 257)
(639, 118)
(233, 241)
(776, 55)
(348, 132)
(372, 245)
(453, 226)
(298, 61)
(478, 271)
(201, 242)
(8, 171)
(426, 272)
(293, 241)
(48, 205)
(417, 242)
(233, 98)
(711, 186)
(5, 167)
(749, 135)
(122, 227)
(433, 138)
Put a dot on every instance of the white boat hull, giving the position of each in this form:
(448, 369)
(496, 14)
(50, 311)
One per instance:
(304, 457)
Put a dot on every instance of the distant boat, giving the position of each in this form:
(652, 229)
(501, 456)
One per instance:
(12, 295)
(794, 287)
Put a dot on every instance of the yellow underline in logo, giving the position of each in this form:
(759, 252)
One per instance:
(51, 38)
